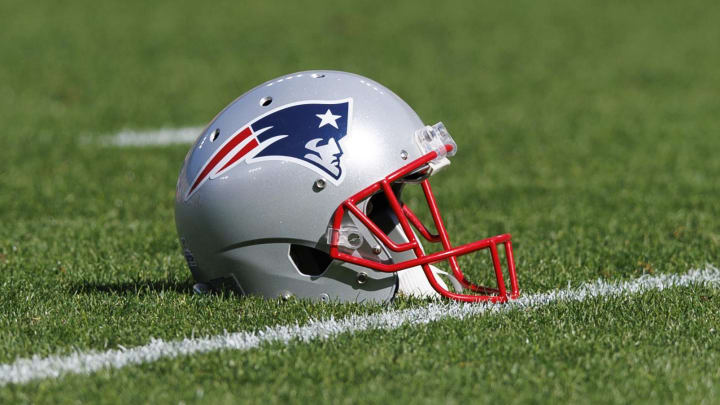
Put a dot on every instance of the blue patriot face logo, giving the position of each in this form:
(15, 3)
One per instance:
(307, 133)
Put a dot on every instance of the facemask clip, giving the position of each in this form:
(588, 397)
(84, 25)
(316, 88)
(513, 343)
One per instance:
(347, 236)
(436, 139)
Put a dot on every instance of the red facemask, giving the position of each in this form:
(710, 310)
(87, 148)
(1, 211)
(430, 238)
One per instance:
(338, 237)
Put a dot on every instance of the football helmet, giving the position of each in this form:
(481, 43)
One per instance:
(295, 189)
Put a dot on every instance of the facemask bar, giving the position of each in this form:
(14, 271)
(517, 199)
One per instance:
(337, 236)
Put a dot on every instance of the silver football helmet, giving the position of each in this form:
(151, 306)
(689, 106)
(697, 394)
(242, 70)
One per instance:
(294, 189)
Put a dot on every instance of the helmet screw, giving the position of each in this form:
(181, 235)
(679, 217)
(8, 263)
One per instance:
(319, 184)
(286, 295)
(403, 154)
(376, 250)
(362, 278)
(354, 239)
(324, 297)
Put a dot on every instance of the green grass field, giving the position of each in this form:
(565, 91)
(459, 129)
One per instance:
(588, 130)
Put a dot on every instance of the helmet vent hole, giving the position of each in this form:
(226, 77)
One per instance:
(309, 261)
(317, 75)
(265, 101)
(214, 135)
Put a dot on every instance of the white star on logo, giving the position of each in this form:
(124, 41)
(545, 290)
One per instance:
(328, 118)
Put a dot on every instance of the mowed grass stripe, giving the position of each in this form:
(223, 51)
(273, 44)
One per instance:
(25, 370)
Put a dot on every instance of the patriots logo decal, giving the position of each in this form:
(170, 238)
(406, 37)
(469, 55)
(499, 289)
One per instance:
(307, 133)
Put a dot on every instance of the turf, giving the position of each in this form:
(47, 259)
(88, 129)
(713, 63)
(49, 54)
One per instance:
(588, 130)
(609, 350)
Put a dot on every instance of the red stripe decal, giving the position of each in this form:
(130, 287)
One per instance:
(235, 141)
(245, 149)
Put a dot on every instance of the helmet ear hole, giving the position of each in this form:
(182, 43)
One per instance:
(309, 261)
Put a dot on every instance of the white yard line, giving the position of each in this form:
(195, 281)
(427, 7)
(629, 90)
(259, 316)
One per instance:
(29, 369)
(158, 137)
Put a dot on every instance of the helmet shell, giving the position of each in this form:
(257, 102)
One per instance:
(241, 224)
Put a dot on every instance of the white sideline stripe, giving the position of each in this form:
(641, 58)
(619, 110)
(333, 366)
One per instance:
(28, 369)
(158, 137)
